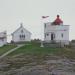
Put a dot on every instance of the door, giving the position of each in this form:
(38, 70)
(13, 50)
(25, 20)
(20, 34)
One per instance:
(52, 36)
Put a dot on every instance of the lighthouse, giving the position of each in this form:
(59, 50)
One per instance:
(56, 31)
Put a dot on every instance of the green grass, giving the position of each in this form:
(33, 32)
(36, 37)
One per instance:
(6, 48)
(35, 49)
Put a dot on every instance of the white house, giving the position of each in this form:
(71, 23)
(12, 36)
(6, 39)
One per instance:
(56, 31)
(3, 38)
(21, 35)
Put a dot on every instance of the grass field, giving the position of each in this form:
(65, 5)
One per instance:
(6, 48)
(35, 49)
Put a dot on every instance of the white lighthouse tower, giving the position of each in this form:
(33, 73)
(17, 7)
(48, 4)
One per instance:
(56, 31)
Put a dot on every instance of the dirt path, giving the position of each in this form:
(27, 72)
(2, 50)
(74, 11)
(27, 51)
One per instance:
(8, 52)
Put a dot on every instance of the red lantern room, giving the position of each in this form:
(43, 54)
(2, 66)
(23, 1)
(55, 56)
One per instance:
(57, 21)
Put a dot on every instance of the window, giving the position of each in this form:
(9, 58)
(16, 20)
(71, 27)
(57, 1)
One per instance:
(22, 37)
(62, 35)
(47, 34)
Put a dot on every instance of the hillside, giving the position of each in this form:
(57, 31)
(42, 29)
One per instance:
(31, 59)
(34, 48)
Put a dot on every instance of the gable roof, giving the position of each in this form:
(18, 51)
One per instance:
(19, 28)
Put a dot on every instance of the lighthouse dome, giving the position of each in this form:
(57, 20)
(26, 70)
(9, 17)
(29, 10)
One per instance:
(57, 21)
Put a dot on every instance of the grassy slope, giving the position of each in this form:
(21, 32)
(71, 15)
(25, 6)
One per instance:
(35, 49)
(6, 48)
(33, 54)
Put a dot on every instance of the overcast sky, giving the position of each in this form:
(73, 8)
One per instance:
(29, 12)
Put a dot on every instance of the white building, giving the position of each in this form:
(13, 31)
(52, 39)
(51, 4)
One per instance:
(56, 31)
(21, 35)
(3, 38)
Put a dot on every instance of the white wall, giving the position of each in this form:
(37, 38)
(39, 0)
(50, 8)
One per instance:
(3, 42)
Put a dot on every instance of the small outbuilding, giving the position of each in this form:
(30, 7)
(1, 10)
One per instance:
(3, 38)
(21, 34)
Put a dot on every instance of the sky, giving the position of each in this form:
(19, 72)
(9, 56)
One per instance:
(29, 12)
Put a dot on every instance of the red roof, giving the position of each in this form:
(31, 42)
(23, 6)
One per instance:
(57, 21)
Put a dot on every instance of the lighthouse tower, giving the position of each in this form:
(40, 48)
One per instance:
(56, 31)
